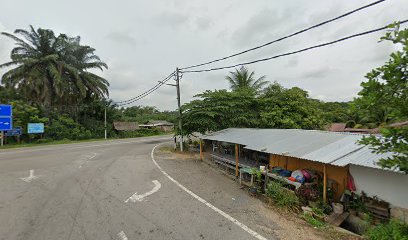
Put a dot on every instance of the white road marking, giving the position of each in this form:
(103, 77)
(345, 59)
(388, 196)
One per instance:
(84, 158)
(122, 235)
(94, 155)
(226, 215)
(135, 197)
(30, 177)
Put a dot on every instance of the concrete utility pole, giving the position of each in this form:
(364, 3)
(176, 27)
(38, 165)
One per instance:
(179, 107)
(106, 133)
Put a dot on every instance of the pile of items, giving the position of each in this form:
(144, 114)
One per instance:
(301, 176)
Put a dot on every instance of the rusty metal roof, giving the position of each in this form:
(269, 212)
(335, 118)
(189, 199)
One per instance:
(334, 148)
(125, 126)
(337, 127)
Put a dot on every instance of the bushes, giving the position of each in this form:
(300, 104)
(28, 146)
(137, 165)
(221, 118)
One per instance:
(65, 127)
(394, 230)
(313, 221)
(143, 132)
(282, 196)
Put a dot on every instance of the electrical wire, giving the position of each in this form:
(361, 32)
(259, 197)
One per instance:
(288, 36)
(146, 93)
(155, 87)
(294, 52)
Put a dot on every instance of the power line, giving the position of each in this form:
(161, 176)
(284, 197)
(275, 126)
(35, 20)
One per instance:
(295, 52)
(288, 36)
(159, 84)
(146, 93)
(138, 97)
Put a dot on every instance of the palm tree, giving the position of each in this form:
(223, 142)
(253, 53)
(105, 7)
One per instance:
(53, 70)
(243, 79)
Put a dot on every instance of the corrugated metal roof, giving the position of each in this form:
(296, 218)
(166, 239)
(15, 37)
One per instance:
(125, 126)
(334, 148)
(363, 157)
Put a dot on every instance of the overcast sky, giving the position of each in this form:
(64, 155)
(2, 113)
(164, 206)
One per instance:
(144, 41)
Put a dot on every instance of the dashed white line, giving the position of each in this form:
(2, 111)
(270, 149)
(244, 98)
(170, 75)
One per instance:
(226, 215)
(122, 235)
(135, 197)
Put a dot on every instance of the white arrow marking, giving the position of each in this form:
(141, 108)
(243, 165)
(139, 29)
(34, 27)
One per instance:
(31, 177)
(140, 198)
(122, 235)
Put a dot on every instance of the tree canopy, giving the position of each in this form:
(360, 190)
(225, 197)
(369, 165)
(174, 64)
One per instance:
(384, 100)
(244, 79)
(275, 107)
(53, 70)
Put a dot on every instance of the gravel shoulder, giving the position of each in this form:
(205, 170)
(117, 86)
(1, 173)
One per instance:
(224, 192)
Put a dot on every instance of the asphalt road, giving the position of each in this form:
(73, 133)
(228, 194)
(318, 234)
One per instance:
(102, 190)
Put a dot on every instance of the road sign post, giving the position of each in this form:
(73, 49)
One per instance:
(6, 120)
(35, 128)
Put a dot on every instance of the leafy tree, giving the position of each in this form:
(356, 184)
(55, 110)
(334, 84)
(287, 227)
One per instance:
(24, 114)
(289, 108)
(243, 79)
(51, 69)
(64, 127)
(387, 88)
(219, 109)
(143, 114)
(336, 112)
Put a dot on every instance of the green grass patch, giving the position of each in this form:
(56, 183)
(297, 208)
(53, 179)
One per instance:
(282, 196)
(393, 230)
(313, 221)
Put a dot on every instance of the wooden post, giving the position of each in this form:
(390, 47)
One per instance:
(236, 160)
(201, 150)
(324, 184)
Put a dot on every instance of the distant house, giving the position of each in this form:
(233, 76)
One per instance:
(334, 155)
(162, 125)
(341, 127)
(125, 126)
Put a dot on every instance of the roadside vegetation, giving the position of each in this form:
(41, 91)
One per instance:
(52, 79)
(251, 103)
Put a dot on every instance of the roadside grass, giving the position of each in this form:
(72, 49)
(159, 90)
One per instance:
(65, 141)
(313, 221)
(56, 142)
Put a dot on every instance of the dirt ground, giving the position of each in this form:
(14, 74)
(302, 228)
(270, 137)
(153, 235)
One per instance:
(221, 190)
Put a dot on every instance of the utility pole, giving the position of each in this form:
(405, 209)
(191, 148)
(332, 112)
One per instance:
(106, 133)
(179, 107)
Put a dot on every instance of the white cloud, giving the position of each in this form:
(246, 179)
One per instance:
(143, 41)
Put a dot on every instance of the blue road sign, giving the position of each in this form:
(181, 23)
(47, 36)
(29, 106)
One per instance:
(6, 123)
(35, 128)
(5, 110)
(17, 131)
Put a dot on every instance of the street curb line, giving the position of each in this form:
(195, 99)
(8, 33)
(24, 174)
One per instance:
(226, 215)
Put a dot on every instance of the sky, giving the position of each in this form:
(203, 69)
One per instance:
(143, 41)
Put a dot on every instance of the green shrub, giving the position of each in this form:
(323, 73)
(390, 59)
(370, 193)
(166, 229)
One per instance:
(44, 140)
(318, 211)
(143, 132)
(65, 127)
(282, 196)
(393, 230)
(313, 221)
